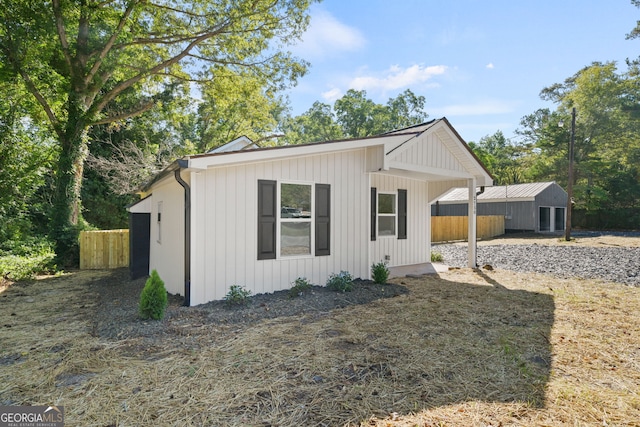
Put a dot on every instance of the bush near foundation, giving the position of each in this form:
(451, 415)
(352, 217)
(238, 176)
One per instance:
(153, 299)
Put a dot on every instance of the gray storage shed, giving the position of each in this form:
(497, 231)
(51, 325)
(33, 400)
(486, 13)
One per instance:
(538, 206)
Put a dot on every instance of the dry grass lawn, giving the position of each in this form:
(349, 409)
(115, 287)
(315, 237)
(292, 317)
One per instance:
(465, 348)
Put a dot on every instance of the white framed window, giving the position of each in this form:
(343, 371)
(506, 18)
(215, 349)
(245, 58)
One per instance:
(295, 219)
(387, 214)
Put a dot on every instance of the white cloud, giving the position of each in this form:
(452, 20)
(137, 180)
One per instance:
(491, 106)
(490, 66)
(331, 95)
(397, 77)
(326, 35)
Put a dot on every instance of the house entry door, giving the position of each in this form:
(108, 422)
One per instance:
(139, 243)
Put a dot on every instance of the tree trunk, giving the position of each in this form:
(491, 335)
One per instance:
(66, 218)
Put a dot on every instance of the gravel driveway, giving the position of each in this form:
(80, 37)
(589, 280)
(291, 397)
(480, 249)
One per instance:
(614, 264)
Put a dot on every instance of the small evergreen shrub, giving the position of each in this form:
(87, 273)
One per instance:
(153, 299)
(300, 285)
(380, 272)
(237, 295)
(436, 257)
(342, 282)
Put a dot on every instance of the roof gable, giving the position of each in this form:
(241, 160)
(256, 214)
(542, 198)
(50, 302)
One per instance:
(403, 150)
(438, 151)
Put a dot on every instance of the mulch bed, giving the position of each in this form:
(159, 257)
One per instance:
(117, 313)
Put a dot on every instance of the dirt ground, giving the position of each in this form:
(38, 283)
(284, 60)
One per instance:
(463, 348)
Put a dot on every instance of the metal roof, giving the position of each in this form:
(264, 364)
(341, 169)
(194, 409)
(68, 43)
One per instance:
(512, 192)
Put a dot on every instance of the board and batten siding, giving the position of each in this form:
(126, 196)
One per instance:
(431, 152)
(224, 211)
(414, 249)
(166, 251)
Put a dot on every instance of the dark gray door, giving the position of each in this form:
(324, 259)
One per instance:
(545, 219)
(139, 241)
(559, 219)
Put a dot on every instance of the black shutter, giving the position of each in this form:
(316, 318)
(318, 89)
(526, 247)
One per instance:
(402, 214)
(374, 213)
(267, 217)
(323, 214)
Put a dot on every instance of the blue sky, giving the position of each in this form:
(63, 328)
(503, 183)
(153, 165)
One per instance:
(482, 64)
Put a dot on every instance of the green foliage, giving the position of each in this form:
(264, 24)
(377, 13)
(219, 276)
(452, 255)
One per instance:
(353, 116)
(93, 63)
(501, 157)
(341, 282)
(237, 295)
(20, 260)
(436, 257)
(153, 299)
(380, 272)
(300, 286)
(607, 147)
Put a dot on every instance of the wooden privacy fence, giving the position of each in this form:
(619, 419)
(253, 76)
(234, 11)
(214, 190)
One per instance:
(446, 228)
(104, 249)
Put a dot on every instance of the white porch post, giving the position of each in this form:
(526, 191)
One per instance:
(471, 241)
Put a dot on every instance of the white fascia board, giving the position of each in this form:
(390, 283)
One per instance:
(430, 170)
(252, 156)
(483, 179)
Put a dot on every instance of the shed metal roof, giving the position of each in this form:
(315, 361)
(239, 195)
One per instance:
(515, 192)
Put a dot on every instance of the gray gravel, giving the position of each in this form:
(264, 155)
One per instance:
(620, 265)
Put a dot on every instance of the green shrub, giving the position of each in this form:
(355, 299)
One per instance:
(380, 272)
(342, 282)
(20, 260)
(436, 257)
(300, 285)
(237, 295)
(153, 299)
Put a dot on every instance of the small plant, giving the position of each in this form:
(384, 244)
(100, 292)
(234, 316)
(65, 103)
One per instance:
(237, 295)
(436, 257)
(342, 282)
(153, 299)
(380, 272)
(300, 285)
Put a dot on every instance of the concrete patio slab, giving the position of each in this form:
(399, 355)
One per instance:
(417, 270)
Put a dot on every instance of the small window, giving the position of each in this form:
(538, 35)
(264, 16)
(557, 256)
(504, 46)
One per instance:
(387, 214)
(295, 219)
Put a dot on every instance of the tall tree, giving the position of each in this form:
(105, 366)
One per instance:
(607, 139)
(234, 104)
(315, 125)
(25, 157)
(77, 58)
(354, 116)
(501, 157)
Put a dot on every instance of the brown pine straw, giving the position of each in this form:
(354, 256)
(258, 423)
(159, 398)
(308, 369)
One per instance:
(468, 348)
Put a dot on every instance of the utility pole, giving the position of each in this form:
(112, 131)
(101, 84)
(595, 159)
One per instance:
(567, 231)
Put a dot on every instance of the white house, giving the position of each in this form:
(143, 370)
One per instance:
(262, 217)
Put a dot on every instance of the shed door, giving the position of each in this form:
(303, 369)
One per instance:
(559, 219)
(545, 219)
(139, 241)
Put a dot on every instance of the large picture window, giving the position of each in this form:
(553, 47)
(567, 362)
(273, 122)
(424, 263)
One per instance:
(295, 219)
